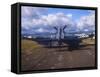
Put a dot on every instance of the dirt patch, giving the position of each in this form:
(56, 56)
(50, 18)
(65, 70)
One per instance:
(37, 57)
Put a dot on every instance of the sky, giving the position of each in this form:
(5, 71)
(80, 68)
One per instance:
(42, 19)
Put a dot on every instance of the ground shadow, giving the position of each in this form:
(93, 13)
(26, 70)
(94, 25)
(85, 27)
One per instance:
(69, 43)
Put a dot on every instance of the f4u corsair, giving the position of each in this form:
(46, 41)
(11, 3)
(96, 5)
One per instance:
(61, 38)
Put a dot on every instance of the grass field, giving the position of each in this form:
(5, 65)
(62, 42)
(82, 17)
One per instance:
(36, 57)
(88, 41)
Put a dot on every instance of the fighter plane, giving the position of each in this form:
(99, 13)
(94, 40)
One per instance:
(62, 36)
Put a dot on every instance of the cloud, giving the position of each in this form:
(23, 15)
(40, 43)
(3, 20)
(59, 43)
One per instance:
(35, 17)
(86, 22)
(32, 12)
(31, 18)
(41, 30)
(28, 14)
(56, 19)
(69, 15)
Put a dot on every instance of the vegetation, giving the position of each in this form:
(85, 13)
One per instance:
(88, 41)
